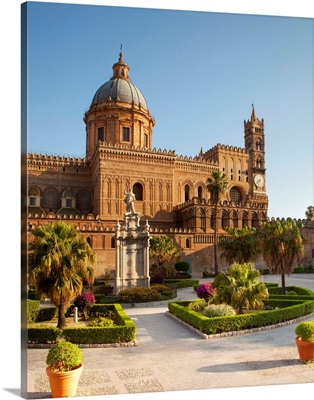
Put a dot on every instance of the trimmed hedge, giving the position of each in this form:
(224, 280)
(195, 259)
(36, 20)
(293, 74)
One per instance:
(43, 334)
(181, 283)
(123, 331)
(32, 310)
(292, 309)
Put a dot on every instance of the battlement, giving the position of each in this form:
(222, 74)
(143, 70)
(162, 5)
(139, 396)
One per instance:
(44, 161)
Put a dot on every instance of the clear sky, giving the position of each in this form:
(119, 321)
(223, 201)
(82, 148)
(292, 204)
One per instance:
(200, 72)
(268, 64)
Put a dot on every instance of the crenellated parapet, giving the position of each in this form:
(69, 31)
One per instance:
(44, 162)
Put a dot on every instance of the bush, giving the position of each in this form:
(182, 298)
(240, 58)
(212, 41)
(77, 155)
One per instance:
(197, 305)
(206, 291)
(32, 310)
(219, 310)
(305, 330)
(83, 302)
(157, 278)
(64, 356)
(299, 270)
(139, 295)
(46, 314)
(43, 334)
(101, 321)
(182, 266)
(104, 289)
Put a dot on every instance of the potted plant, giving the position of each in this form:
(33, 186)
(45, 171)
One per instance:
(305, 340)
(64, 369)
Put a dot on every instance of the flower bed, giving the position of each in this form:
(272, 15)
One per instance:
(122, 331)
(282, 310)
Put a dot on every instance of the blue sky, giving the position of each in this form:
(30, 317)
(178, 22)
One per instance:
(200, 72)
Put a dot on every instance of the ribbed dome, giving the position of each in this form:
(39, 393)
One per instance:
(120, 88)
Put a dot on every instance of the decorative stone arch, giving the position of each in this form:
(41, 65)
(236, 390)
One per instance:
(235, 219)
(188, 190)
(33, 196)
(255, 220)
(51, 199)
(245, 219)
(68, 198)
(236, 194)
(83, 200)
(225, 219)
(138, 190)
(201, 190)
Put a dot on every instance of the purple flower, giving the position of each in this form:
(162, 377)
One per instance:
(205, 291)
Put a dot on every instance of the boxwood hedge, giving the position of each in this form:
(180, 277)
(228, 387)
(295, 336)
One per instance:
(283, 310)
(123, 331)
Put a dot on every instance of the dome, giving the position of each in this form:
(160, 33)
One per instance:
(120, 88)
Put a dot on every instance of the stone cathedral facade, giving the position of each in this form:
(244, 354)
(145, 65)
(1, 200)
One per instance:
(170, 189)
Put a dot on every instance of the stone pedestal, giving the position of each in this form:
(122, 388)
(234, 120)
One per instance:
(132, 253)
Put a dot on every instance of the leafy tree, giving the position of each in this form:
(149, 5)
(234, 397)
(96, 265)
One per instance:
(282, 247)
(309, 213)
(217, 185)
(59, 259)
(163, 252)
(241, 246)
(241, 288)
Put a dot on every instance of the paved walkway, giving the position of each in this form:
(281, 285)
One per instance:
(171, 357)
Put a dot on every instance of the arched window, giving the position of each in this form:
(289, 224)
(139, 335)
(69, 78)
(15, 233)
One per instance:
(113, 243)
(186, 192)
(200, 192)
(187, 243)
(225, 222)
(235, 195)
(138, 191)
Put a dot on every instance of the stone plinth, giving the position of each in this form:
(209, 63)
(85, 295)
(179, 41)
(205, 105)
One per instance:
(132, 253)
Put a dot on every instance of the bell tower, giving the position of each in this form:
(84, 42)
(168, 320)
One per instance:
(254, 139)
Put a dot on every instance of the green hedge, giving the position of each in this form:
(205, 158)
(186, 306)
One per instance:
(299, 290)
(181, 283)
(46, 314)
(43, 334)
(123, 331)
(292, 309)
(32, 310)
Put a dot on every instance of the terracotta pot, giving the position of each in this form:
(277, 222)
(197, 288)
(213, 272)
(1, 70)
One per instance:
(64, 384)
(305, 349)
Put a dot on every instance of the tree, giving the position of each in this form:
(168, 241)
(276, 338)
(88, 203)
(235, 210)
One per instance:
(241, 288)
(309, 213)
(162, 252)
(282, 247)
(59, 259)
(241, 246)
(217, 185)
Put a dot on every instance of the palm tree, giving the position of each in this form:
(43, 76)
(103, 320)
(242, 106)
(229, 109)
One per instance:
(282, 247)
(59, 259)
(241, 288)
(241, 246)
(162, 251)
(217, 185)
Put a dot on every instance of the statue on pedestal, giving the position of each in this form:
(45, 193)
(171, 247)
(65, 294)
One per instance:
(129, 201)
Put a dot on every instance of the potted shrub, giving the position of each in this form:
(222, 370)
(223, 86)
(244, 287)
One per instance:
(305, 340)
(64, 361)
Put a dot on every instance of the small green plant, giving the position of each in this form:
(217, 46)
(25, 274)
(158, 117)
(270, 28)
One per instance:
(182, 266)
(102, 321)
(219, 310)
(305, 330)
(64, 356)
(198, 305)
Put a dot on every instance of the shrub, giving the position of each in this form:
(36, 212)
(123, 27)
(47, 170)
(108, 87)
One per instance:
(83, 302)
(157, 278)
(139, 295)
(101, 321)
(305, 330)
(197, 305)
(64, 356)
(104, 289)
(219, 310)
(42, 334)
(299, 270)
(205, 291)
(32, 310)
(182, 266)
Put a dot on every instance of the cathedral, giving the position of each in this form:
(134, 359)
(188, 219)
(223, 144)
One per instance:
(170, 190)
